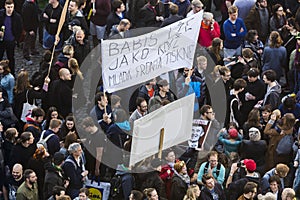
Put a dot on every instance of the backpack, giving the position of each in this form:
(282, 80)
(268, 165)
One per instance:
(285, 145)
(218, 168)
(43, 142)
(116, 191)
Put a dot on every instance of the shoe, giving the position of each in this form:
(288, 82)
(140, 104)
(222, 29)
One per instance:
(28, 62)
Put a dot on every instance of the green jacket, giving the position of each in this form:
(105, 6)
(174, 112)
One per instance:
(26, 193)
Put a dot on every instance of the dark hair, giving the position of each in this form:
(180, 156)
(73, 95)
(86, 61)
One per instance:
(137, 195)
(215, 48)
(76, 2)
(270, 75)
(139, 100)
(98, 97)
(37, 112)
(10, 134)
(84, 190)
(275, 178)
(48, 116)
(289, 103)
(206, 177)
(148, 192)
(204, 109)
(116, 4)
(57, 189)
(70, 138)
(267, 108)
(167, 151)
(25, 136)
(247, 53)
(9, 2)
(27, 173)
(249, 187)
(253, 72)
(239, 84)
(251, 35)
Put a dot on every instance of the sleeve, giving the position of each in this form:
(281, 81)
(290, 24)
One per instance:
(272, 25)
(244, 32)
(221, 176)
(182, 88)
(265, 182)
(20, 196)
(216, 32)
(269, 130)
(201, 172)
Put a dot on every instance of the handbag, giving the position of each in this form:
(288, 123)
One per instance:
(27, 108)
(98, 190)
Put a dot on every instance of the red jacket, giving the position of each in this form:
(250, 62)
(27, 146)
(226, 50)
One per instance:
(206, 35)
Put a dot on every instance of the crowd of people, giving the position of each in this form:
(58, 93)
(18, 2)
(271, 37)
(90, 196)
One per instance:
(246, 80)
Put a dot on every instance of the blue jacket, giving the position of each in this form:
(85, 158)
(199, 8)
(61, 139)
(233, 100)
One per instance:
(233, 36)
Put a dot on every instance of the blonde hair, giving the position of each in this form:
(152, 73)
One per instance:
(191, 193)
(74, 67)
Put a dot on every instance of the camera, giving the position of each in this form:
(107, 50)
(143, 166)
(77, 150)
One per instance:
(240, 164)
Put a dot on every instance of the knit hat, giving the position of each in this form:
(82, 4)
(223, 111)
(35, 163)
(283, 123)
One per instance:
(250, 165)
(197, 3)
(58, 158)
(254, 134)
(233, 133)
(179, 165)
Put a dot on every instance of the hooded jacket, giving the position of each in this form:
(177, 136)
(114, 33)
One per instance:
(272, 96)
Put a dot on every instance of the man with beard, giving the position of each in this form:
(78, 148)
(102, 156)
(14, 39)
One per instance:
(140, 111)
(28, 189)
(12, 182)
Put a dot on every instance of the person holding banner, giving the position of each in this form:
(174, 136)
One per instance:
(102, 112)
(187, 84)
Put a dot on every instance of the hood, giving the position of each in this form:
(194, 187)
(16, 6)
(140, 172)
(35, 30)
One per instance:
(50, 167)
(29, 119)
(276, 88)
(79, 14)
(62, 58)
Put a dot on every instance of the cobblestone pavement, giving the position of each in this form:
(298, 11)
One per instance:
(20, 61)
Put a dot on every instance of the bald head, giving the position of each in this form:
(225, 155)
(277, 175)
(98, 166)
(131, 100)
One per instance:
(17, 171)
(64, 74)
(80, 36)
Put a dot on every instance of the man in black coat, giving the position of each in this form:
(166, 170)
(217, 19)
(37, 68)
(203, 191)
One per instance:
(61, 93)
(11, 29)
(54, 175)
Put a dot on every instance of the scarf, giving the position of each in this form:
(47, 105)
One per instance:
(184, 177)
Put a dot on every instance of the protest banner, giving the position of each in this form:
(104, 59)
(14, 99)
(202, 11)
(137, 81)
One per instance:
(130, 61)
(175, 118)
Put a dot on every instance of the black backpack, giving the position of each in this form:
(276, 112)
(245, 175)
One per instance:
(218, 168)
(116, 192)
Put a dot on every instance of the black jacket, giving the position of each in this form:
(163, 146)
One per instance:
(53, 177)
(17, 23)
(30, 16)
(179, 188)
(206, 195)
